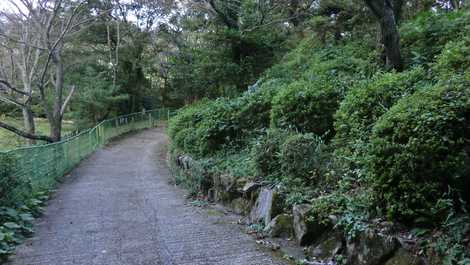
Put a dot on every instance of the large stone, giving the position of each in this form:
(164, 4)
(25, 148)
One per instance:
(226, 187)
(306, 231)
(280, 226)
(329, 245)
(403, 257)
(371, 248)
(240, 205)
(184, 162)
(266, 206)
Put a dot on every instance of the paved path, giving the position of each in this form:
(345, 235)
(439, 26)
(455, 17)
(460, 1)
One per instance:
(118, 208)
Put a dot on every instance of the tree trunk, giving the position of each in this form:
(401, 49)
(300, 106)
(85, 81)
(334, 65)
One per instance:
(28, 121)
(294, 13)
(391, 40)
(384, 11)
(56, 130)
(56, 120)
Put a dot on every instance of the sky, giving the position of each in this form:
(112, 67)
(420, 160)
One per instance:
(6, 5)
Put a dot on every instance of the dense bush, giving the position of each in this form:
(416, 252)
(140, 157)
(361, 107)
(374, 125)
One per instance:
(186, 118)
(420, 148)
(454, 59)
(204, 127)
(306, 106)
(265, 152)
(424, 38)
(302, 157)
(368, 101)
(253, 112)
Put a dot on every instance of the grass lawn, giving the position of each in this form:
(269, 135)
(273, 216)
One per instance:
(9, 140)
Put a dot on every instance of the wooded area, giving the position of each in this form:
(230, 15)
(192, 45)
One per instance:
(360, 108)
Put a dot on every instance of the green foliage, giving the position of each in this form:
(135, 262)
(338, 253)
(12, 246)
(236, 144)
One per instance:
(365, 103)
(8, 182)
(420, 148)
(17, 223)
(306, 106)
(205, 127)
(265, 152)
(425, 37)
(313, 85)
(302, 157)
(96, 97)
(399, 145)
(181, 127)
(454, 59)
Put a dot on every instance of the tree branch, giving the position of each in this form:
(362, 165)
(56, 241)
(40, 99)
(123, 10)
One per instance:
(11, 101)
(25, 134)
(9, 86)
(67, 100)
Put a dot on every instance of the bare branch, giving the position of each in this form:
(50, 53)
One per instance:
(11, 101)
(21, 42)
(9, 86)
(67, 100)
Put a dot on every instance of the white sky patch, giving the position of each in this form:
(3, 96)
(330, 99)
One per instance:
(12, 6)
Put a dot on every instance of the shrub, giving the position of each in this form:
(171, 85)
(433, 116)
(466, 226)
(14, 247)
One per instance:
(253, 112)
(365, 103)
(302, 157)
(203, 128)
(454, 59)
(306, 106)
(420, 148)
(265, 152)
(424, 38)
(186, 118)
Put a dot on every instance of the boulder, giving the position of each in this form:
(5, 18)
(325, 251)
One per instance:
(403, 257)
(266, 206)
(330, 245)
(280, 226)
(306, 231)
(226, 187)
(184, 162)
(240, 205)
(371, 248)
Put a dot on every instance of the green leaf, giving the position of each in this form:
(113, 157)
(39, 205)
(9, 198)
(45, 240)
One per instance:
(11, 225)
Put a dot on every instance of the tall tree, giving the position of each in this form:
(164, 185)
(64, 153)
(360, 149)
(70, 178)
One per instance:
(19, 49)
(51, 24)
(386, 12)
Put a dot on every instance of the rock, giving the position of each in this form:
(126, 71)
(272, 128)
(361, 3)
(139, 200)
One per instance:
(305, 231)
(403, 257)
(371, 248)
(280, 226)
(266, 206)
(330, 245)
(273, 246)
(225, 188)
(184, 161)
(240, 205)
(211, 195)
(249, 187)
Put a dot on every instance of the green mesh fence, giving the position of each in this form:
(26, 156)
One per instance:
(27, 170)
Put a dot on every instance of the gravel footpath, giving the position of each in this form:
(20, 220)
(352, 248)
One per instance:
(118, 208)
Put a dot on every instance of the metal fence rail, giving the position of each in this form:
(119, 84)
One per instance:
(25, 171)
